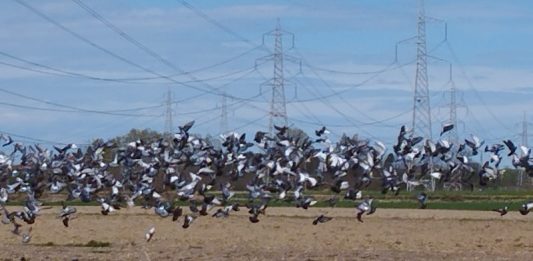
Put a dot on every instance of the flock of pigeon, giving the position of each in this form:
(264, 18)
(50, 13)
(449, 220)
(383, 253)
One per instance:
(286, 166)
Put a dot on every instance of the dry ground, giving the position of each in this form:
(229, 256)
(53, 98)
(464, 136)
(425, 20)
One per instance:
(284, 234)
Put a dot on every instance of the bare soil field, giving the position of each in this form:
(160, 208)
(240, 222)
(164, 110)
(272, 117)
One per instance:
(283, 234)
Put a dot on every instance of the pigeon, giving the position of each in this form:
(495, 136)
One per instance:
(366, 206)
(149, 234)
(422, 198)
(305, 202)
(187, 126)
(254, 218)
(332, 202)
(321, 131)
(3, 196)
(510, 145)
(66, 213)
(474, 143)
(106, 208)
(286, 164)
(353, 194)
(176, 213)
(502, 211)
(259, 136)
(447, 127)
(321, 219)
(26, 237)
(525, 208)
(8, 139)
(339, 185)
(188, 221)
(9, 218)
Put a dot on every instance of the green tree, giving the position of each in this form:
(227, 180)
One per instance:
(146, 135)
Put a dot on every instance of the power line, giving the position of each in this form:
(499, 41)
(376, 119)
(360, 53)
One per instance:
(72, 108)
(471, 86)
(52, 70)
(43, 141)
(124, 35)
(339, 112)
(390, 67)
(149, 51)
(20, 106)
(244, 102)
(250, 123)
(317, 68)
(364, 82)
(118, 57)
(225, 61)
(358, 124)
(353, 126)
(111, 112)
(342, 98)
(116, 112)
(131, 80)
(82, 38)
(216, 23)
(487, 131)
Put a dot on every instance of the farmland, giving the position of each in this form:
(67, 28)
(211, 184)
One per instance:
(284, 233)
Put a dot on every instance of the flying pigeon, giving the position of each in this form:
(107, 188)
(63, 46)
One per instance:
(66, 213)
(510, 145)
(447, 127)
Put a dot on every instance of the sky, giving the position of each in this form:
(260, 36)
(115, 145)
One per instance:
(66, 76)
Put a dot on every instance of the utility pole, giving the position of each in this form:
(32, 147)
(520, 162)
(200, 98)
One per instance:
(223, 114)
(168, 113)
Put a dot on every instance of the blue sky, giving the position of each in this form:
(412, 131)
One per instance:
(489, 44)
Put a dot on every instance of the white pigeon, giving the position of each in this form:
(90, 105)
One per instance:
(149, 234)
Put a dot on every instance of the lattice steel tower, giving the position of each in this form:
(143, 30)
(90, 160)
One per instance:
(452, 134)
(278, 109)
(524, 142)
(524, 131)
(223, 114)
(421, 106)
(168, 112)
